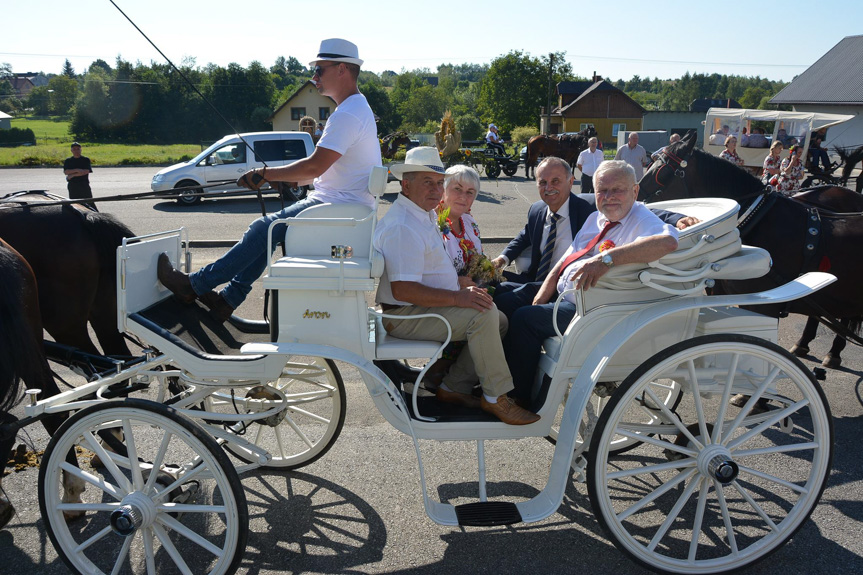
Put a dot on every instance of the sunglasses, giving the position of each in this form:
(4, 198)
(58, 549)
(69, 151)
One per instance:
(319, 70)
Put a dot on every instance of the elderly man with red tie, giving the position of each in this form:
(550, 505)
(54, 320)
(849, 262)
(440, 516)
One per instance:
(622, 231)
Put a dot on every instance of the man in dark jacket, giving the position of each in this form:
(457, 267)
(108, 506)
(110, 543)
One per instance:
(552, 223)
(78, 170)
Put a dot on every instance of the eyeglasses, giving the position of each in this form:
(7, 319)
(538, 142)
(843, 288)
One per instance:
(319, 70)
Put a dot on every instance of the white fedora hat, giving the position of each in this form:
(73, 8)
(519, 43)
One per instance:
(422, 159)
(338, 50)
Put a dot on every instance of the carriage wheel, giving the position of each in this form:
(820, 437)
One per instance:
(510, 168)
(188, 197)
(492, 169)
(190, 516)
(310, 425)
(716, 488)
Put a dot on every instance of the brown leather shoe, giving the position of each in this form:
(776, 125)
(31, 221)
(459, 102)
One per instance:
(219, 308)
(463, 399)
(508, 412)
(175, 280)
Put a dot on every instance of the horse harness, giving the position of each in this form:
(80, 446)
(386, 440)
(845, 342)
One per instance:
(813, 257)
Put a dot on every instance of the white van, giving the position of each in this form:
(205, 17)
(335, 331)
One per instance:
(228, 159)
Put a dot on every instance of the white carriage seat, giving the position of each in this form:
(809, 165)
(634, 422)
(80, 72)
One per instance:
(312, 252)
(707, 251)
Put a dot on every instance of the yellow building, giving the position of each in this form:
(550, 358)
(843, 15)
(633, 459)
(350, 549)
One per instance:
(304, 102)
(597, 103)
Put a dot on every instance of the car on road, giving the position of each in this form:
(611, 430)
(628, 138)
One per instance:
(222, 163)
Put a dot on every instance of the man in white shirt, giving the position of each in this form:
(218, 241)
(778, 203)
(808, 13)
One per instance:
(419, 278)
(340, 167)
(493, 139)
(622, 231)
(634, 154)
(588, 161)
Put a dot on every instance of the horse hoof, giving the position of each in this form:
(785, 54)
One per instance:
(6, 511)
(832, 361)
(799, 350)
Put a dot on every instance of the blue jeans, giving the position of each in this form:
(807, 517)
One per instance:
(529, 326)
(246, 261)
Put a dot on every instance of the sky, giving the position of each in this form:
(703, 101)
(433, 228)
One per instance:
(615, 39)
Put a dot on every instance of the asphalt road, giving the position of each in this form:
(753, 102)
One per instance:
(359, 508)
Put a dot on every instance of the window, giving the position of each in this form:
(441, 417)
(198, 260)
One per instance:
(280, 150)
(615, 128)
(297, 113)
(583, 127)
(323, 113)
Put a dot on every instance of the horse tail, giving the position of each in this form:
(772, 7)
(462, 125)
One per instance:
(21, 356)
(108, 233)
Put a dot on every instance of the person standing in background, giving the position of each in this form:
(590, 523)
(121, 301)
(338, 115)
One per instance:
(78, 170)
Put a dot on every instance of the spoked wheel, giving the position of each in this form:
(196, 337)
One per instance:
(510, 168)
(492, 169)
(666, 391)
(189, 516)
(712, 488)
(308, 427)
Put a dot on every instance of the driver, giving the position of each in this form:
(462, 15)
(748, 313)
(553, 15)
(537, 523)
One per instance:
(493, 139)
(340, 166)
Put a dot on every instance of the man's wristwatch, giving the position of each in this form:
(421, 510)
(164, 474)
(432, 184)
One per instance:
(606, 259)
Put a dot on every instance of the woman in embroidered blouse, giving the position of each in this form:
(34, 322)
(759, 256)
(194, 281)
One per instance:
(791, 171)
(730, 151)
(772, 162)
(460, 231)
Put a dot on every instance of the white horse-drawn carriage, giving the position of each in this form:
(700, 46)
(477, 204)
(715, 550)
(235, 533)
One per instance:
(635, 393)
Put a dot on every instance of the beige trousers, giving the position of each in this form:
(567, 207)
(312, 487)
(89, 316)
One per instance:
(483, 332)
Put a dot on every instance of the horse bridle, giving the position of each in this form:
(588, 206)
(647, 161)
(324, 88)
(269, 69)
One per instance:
(671, 162)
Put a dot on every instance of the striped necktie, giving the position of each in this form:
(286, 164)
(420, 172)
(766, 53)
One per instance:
(545, 260)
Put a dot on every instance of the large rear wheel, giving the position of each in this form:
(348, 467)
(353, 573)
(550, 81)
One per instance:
(168, 498)
(710, 487)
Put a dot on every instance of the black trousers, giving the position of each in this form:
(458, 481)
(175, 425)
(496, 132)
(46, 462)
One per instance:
(586, 184)
(81, 191)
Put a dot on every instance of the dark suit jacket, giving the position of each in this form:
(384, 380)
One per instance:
(580, 206)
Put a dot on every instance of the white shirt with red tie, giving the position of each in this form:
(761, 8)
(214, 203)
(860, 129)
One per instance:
(639, 223)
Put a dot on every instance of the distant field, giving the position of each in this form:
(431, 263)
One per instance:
(52, 147)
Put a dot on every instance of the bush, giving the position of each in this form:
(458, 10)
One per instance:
(522, 134)
(470, 127)
(17, 137)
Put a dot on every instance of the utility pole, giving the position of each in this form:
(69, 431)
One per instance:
(550, 93)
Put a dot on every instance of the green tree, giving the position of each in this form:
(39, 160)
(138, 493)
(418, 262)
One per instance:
(63, 92)
(513, 91)
(68, 70)
(101, 65)
(379, 101)
(39, 100)
(89, 121)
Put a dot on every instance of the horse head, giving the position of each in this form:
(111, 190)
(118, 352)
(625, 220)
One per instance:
(666, 178)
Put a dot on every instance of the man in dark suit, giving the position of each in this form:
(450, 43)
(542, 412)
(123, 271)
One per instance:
(558, 215)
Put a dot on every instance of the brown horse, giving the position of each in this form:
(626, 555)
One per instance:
(391, 143)
(567, 146)
(72, 251)
(800, 234)
(22, 359)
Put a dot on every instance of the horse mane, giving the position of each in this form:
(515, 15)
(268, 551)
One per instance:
(719, 174)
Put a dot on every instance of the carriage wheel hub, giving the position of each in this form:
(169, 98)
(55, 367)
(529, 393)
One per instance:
(135, 511)
(715, 461)
(268, 393)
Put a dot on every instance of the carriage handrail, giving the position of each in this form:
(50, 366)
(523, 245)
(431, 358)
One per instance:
(428, 365)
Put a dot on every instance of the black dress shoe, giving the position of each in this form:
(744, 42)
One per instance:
(219, 308)
(175, 280)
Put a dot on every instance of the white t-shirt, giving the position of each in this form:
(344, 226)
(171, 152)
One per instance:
(589, 161)
(452, 244)
(350, 131)
(639, 223)
(492, 137)
(413, 250)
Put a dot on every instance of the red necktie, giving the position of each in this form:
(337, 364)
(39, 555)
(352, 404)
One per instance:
(580, 253)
